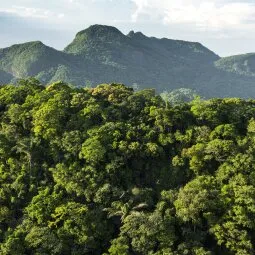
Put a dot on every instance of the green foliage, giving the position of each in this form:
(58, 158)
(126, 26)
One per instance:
(111, 171)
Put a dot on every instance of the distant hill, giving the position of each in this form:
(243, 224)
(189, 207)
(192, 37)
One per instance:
(241, 64)
(102, 54)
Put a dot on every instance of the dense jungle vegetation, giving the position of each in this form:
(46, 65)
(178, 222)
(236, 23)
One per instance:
(111, 171)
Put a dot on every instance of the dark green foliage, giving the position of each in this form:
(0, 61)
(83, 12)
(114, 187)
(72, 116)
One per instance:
(107, 170)
(103, 54)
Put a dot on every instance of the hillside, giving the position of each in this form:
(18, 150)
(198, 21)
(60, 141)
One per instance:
(101, 54)
(5, 77)
(241, 64)
(32, 58)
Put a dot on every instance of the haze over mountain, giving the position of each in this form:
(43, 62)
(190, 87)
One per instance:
(102, 54)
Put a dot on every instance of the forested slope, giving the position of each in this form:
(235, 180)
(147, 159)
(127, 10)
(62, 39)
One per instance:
(102, 54)
(241, 64)
(111, 171)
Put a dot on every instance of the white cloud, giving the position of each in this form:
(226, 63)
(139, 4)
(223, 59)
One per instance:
(215, 15)
(225, 26)
(31, 12)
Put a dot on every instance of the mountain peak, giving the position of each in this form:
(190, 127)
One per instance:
(36, 42)
(26, 44)
(100, 30)
(94, 34)
(136, 35)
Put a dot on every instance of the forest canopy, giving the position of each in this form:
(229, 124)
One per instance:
(107, 170)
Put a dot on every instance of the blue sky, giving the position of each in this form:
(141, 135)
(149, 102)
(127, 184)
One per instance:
(225, 26)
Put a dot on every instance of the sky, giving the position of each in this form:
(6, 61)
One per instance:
(224, 26)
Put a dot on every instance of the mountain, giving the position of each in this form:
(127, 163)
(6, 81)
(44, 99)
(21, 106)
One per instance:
(241, 64)
(103, 54)
(32, 58)
(137, 59)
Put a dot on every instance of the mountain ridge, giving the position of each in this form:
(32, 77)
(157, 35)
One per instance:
(103, 54)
